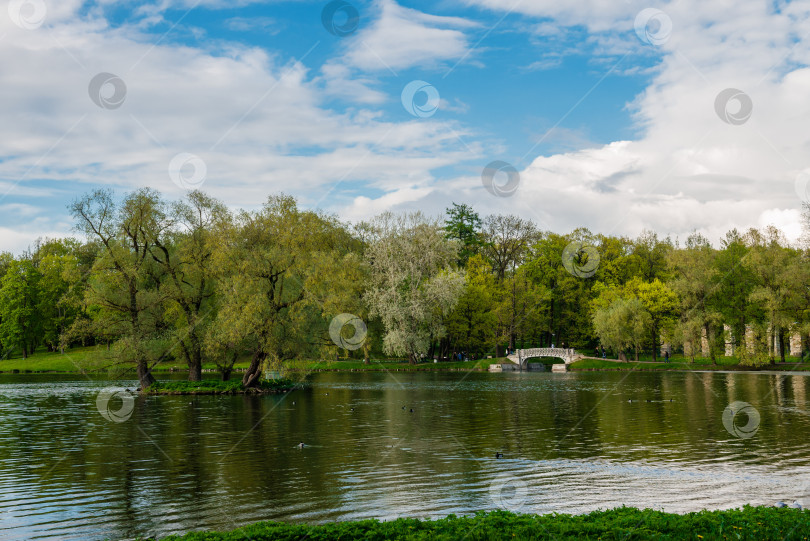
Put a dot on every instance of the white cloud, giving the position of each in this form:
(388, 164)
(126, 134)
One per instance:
(400, 37)
(689, 170)
(258, 120)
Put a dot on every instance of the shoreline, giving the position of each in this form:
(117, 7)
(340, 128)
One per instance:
(747, 523)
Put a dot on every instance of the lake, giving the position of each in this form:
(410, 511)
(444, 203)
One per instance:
(571, 442)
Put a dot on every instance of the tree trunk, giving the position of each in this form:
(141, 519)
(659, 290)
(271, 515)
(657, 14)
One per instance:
(226, 373)
(710, 338)
(251, 377)
(195, 366)
(144, 375)
(782, 344)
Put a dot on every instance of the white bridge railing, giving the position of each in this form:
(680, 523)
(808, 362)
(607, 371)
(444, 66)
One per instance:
(521, 356)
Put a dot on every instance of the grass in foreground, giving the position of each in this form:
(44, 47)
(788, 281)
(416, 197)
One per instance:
(625, 523)
(213, 386)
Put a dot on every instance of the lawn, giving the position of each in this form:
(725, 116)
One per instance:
(681, 363)
(99, 359)
(625, 523)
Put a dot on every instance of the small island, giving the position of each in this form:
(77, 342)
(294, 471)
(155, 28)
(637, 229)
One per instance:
(213, 386)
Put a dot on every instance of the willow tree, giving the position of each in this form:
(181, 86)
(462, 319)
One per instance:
(274, 264)
(413, 284)
(124, 278)
(622, 324)
(184, 252)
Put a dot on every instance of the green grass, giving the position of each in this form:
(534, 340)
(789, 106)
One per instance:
(679, 363)
(99, 359)
(376, 365)
(87, 359)
(625, 523)
(213, 386)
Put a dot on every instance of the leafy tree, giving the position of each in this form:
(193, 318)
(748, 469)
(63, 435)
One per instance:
(622, 324)
(471, 325)
(273, 261)
(507, 239)
(464, 225)
(19, 292)
(183, 250)
(660, 302)
(413, 285)
(124, 280)
(59, 296)
(733, 284)
(693, 279)
(650, 256)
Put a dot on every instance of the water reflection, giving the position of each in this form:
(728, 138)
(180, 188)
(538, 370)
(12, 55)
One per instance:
(571, 443)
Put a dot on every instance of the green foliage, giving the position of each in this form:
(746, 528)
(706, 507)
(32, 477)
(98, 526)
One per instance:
(213, 386)
(412, 285)
(624, 523)
(464, 226)
(190, 281)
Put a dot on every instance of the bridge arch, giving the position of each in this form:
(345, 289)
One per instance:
(522, 356)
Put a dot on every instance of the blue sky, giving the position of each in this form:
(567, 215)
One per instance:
(609, 117)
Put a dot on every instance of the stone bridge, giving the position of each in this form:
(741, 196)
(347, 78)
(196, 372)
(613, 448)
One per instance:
(522, 356)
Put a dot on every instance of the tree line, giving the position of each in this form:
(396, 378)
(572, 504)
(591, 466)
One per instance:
(193, 280)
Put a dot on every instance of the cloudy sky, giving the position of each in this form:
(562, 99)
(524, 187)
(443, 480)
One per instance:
(617, 116)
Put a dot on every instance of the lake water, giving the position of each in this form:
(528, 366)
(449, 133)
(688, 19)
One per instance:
(571, 443)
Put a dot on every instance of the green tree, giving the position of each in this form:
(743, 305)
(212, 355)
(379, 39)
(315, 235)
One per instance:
(471, 325)
(124, 279)
(464, 225)
(413, 285)
(184, 249)
(693, 278)
(273, 262)
(622, 324)
(19, 292)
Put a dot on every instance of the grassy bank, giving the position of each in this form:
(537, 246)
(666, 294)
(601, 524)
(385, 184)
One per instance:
(625, 523)
(721, 363)
(401, 366)
(212, 386)
(99, 359)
